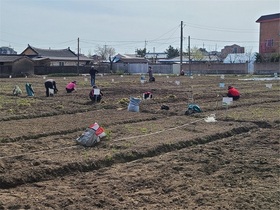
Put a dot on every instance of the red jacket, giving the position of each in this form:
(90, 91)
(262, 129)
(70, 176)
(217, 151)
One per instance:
(234, 92)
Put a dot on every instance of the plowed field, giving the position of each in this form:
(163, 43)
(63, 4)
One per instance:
(152, 159)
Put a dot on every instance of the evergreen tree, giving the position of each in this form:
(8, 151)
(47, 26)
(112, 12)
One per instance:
(141, 53)
(172, 52)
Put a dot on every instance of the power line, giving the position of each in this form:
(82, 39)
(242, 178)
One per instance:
(168, 38)
(173, 29)
(211, 40)
(222, 29)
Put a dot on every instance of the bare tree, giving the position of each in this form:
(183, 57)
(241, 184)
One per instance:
(105, 52)
(89, 54)
(249, 55)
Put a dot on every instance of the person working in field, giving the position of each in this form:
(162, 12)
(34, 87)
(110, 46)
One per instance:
(17, 91)
(71, 86)
(29, 89)
(95, 94)
(151, 76)
(93, 71)
(233, 92)
(182, 73)
(50, 84)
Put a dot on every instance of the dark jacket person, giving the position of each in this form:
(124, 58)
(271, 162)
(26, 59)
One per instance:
(92, 73)
(50, 84)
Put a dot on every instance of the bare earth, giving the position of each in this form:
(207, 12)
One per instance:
(152, 159)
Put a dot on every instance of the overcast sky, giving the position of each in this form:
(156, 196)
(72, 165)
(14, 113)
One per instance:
(127, 25)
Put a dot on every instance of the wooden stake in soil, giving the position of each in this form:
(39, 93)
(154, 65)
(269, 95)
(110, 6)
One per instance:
(190, 96)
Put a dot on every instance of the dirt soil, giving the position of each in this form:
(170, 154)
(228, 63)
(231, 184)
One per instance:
(151, 159)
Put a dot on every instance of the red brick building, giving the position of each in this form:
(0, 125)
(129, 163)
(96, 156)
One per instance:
(269, 41)
(231, 49)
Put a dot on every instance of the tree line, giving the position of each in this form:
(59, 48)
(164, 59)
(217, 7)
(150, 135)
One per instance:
(108, 53)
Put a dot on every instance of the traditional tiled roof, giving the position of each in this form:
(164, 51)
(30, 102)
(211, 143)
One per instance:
(61, 54)
(10, 58)
(268, 17)
(53, 53)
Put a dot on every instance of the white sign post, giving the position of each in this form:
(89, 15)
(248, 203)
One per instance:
(96, 92)
(222, 85)
(268, 86)
(226, 102)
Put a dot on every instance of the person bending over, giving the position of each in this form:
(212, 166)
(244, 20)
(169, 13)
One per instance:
(95, 94)
(50, 84)
(71, 86)
(233, 92)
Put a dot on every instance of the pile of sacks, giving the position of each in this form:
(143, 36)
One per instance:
(91, 135)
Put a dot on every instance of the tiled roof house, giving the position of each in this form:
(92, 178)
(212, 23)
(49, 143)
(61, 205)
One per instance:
(15, 65)
(51, 57)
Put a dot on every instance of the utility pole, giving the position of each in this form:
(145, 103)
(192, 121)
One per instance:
(154, 52)
(189, 52)
(181, 47)
(78, 56)
(145, 47)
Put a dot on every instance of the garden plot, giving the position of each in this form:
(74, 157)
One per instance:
(150, 156)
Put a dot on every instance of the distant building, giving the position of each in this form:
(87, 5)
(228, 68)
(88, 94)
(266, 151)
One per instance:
(231, 49)
(154, 57)
(269, 41)
(248, 58)
(185, 59)
(119, 58)
(7, 51)
(51, 57)
(240, 58)
(15, 65)
(130, 64)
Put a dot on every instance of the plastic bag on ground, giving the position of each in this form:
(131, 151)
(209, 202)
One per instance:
(99, 131)
(133, 105)
(88, 138)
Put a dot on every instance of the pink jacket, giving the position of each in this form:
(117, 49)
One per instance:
(71, 85)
